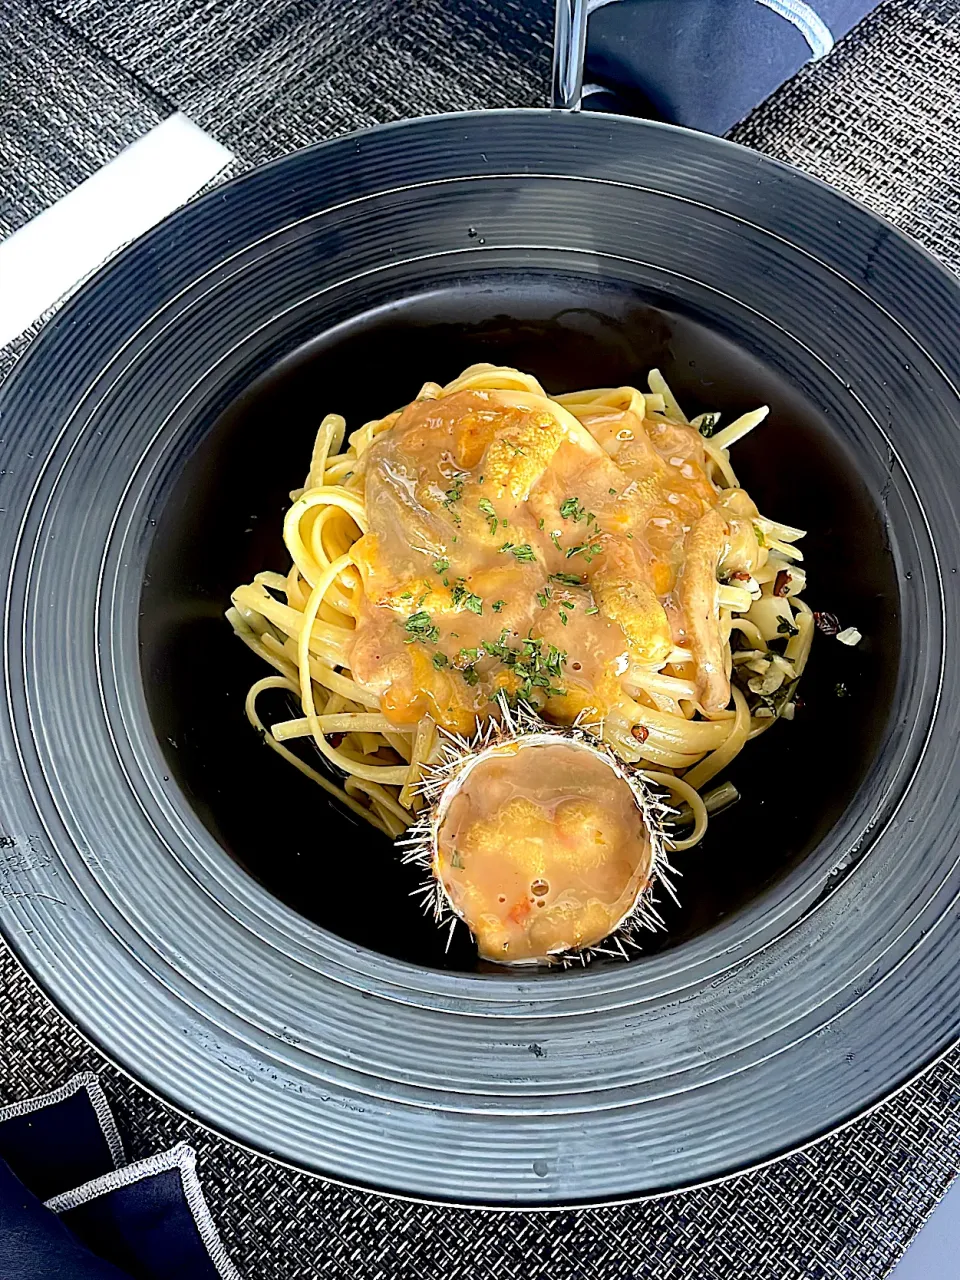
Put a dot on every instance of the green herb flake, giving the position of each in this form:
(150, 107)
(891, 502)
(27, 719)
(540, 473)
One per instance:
(419, 626)
(534, 669)
(525, 554)
(568, 579)
(455, 492)
(470, 675)
(761, 540)
(456, 861)
(555, 539)
(543, 597)
(612, 492)
(440, 660)
(707, 424)
(540, 523)
(572, 509)
(486, 507)
(441, 566)
(497, 605)
(589, 551)
(786, 628)
(464, 599)
(592, 610)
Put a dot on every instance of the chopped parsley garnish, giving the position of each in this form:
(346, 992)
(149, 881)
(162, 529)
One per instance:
(524, 553)
(571, 509)
(540, 523)
(419, 626)
(707, 423)
(589, 550)
(568, 579)
(563, 617)
(454, 494)
(464, 599)
(470, 675)
(543, 597)
(761, 540)
(470, 654)
(594, 609)
(441, 566)
(533, 667)
(497, 605)
(555, 539)
(612, 491)
(486, 507)
(786, 628)
(841, 690)
(440, 660)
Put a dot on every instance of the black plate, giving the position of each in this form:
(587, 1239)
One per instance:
(276, 982)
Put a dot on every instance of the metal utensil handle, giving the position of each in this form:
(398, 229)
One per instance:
(569, 51)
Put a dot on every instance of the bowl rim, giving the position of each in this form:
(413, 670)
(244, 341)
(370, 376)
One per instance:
(51, 335)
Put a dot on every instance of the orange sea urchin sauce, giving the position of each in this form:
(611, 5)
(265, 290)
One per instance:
(541, 849)
(507, 552)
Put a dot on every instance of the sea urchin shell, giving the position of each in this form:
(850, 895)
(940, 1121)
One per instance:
(545, 872)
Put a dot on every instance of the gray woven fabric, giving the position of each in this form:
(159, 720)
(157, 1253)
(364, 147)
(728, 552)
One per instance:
(65, 110)
(268, 77)
(880, 119)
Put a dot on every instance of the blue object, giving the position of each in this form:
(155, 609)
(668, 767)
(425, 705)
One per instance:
(34, 1243)
(71, 1208)
(705, 63)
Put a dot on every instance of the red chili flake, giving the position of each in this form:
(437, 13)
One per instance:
(740, 576)
(334, 739)
(828, 623)
(782, 584)
(640, 732)
(798, 704)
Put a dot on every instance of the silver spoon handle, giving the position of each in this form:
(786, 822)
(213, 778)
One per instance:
(569, 50)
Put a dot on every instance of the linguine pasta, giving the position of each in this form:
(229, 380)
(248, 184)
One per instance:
(590, 556)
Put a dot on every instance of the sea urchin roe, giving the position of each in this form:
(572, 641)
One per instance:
(541, 849)
(491, 525)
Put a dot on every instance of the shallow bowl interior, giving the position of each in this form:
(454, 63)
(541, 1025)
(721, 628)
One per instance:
(221, 523)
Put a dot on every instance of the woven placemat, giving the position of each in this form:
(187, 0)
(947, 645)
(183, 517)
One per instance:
(880, 119)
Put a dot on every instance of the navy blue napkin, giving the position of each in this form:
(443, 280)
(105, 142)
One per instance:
(705, 63)
(70, 1207)
(34, 1243)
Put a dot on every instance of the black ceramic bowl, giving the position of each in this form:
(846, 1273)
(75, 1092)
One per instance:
(275, 979)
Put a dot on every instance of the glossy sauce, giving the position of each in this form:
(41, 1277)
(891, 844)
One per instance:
(506, 552)
(541, 849)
